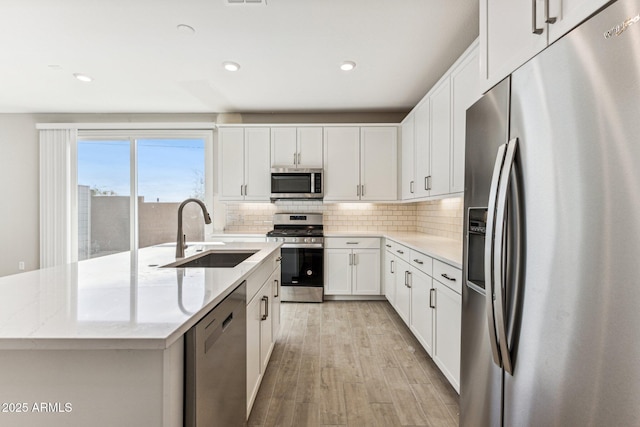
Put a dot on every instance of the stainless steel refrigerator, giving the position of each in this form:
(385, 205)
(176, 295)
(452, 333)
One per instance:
(551, 306)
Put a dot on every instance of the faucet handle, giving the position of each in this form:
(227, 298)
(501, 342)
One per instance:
(184, 241)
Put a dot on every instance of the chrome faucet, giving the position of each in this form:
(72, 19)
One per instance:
(181, 240)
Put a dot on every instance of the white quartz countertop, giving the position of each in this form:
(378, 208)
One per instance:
(120, 301)
(441, 248)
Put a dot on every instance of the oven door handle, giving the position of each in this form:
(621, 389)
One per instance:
(303, 245)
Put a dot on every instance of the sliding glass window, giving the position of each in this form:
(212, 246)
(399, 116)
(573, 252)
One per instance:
(130, 187)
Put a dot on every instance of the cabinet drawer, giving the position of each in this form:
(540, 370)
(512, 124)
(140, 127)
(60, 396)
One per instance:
(402, 252)
(390, 245)
(352, 242)
(421, 262)
(448, 275)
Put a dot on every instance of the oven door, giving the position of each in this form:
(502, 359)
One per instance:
(302, 266)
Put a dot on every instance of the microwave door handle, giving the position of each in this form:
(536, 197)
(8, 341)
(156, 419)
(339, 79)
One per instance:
(489, 253)
(313, 182)
(498, 256)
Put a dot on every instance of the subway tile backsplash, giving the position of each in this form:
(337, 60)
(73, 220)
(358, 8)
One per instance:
(440, 217)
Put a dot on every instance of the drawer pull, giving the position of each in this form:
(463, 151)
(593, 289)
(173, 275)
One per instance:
(417, 261)
(388, 246)
(279, 259)
(353, 243)
(399, 251)
(453, 279)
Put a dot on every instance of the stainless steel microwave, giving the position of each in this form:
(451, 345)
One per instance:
(303, 184)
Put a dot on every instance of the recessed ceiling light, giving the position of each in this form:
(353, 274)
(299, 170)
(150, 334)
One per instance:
(231, 66)
(186, 29)
(347, 65)
(82, 77)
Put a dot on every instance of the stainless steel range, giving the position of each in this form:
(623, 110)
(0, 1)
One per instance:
(302, 255)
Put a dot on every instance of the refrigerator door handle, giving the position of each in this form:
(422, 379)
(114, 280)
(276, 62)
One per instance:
(488, 254)
(499, 244)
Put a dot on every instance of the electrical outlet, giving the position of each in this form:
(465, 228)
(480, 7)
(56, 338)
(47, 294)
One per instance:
(21, 266)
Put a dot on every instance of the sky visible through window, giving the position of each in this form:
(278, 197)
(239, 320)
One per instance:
(169, 170)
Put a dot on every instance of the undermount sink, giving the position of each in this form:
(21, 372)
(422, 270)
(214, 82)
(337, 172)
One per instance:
(213, 259)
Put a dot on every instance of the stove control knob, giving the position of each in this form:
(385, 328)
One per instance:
(313, 240)
(307, 240)
(295, 239)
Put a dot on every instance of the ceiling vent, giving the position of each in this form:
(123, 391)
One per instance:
(236, 2)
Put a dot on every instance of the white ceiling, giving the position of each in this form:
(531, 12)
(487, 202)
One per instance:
(289, 52)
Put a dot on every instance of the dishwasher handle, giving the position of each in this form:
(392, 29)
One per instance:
(215, 328)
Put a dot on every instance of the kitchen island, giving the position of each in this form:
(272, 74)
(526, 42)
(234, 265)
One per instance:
(101, 342)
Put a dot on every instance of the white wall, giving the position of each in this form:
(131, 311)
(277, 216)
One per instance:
(19, 188)
(19, 166)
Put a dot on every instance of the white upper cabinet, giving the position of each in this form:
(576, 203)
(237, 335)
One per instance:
(422, 130)
(256, 164)
(310, 147)
(513, 31)
(342, 163)
(378, 163)
(465, 83)
(360, 163)
(407, 147)
(507, 36)
(433, 133)
(231, 172)
(284, 148)
(244, 164)
(293, 147)
(438, 184)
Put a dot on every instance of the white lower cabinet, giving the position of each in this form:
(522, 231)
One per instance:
(403, 291)
(352, 266)
(422, 309)
(447, 332)
(415, 286)
(263, 322)
(389, 269)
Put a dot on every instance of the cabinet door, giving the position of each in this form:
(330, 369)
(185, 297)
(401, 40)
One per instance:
(337, 271)
(408, 158)
(341, 163)
(403, 292)
(254, 363)
(266, 325)
(390, 267)
(310, 147)
(421, 312)
(423, 148)
(447, 334)
(275, 294)
(378, 163)
(569, 13)
(283, 147)
(257, 164)
(465, 83)
(230, 163)
(366, 272)
(440, 138)
(507, 39)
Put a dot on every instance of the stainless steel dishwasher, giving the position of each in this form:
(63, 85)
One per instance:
(215, 365)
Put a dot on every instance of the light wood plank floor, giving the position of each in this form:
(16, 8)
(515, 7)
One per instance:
(351, 363)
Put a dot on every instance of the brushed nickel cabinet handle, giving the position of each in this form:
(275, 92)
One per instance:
(417, 261)
(446, 276)
(548, 19)
(266, 307)
(431, 302)
(534, 24)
